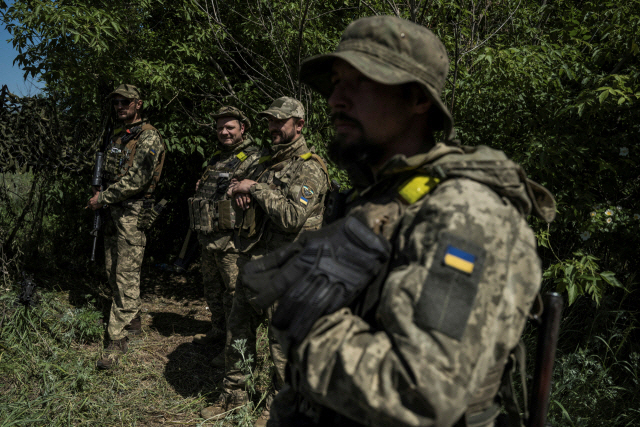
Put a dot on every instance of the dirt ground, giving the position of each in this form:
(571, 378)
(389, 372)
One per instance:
(164, 364)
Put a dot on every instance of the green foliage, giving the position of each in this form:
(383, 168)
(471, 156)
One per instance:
(556, 85)
(581, 275)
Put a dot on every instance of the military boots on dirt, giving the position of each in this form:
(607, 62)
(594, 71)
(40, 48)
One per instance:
(135, 326)
(113, 352)
(226, 404)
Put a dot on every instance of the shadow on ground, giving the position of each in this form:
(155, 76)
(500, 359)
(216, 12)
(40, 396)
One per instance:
(168, 324)
(189, 370)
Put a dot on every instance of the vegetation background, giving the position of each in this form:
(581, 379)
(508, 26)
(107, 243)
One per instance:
(555, 84)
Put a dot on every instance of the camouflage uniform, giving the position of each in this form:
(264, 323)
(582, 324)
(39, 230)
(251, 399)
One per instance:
(132, 170)
(289, 197)
(215, 220)
(426, 341)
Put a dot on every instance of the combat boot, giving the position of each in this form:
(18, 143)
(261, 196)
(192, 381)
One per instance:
(226, 404)
(135, 326)
(218, 361)
(113, 352)
(214, 335)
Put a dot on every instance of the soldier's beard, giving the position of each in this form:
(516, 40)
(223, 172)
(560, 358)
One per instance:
(284, 137)
(361, 151)
(129, 116)
(356, 158)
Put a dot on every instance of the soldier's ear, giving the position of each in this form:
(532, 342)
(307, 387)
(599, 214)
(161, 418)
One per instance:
(139, 103)
(299, 125)
(241, 127)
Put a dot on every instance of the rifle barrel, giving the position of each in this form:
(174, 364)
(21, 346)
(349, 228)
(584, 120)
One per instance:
(545, 357)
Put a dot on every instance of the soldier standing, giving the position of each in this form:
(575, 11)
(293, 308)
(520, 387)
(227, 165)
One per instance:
(213, 217)
(405, 311)
(278, 203)
(133, 164)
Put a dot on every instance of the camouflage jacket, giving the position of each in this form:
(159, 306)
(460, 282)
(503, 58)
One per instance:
(239, 162)
(290, 193)
(421, 344)
(136, 178)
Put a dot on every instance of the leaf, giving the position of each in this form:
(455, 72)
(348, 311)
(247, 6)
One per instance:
(610, 278)
(603, 96)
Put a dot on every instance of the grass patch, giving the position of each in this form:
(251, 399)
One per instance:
(48, 355)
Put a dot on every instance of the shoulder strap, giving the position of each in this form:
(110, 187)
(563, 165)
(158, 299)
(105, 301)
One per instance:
(310, 155)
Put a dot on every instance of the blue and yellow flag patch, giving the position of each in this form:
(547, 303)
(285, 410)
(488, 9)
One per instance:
(304, 201)
(152, 151)
(459, 259)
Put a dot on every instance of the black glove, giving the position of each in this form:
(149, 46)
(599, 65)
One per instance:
(318, 276)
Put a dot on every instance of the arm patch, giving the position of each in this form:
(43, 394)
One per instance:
(451, 286)
(307, 193)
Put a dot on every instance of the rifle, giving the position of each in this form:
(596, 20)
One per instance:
(96, 181)
(545, 356)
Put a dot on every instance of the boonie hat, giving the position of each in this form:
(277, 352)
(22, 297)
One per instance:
(229, 111)
(128, 91)
(284, 108)
(391, 51)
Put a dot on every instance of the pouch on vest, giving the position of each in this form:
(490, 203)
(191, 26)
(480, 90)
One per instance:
(252, 220)
(226, 215)
(149, 213)
(201, 215)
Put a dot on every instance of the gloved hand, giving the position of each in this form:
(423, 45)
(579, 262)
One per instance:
(316, 276)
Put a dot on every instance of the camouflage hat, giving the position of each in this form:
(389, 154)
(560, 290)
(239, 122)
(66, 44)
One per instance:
(128, 91)
(284, 108)
(391, 51)
(229, 111)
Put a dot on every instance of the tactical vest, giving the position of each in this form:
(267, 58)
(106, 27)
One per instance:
(120, 153)
(210, 210)
(253, 223)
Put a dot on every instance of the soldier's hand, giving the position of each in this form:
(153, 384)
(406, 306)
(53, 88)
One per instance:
(93, 202)
(243, 186)
(243, 200)
(94, 190)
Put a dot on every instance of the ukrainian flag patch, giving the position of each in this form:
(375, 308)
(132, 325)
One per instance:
(459, 259)
(152, 151)
(304, 201)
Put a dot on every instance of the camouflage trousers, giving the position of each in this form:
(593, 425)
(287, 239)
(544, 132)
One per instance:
(124, 249)
(219, 276)
(242, 324)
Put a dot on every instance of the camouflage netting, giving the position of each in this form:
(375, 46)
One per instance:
(35, 135)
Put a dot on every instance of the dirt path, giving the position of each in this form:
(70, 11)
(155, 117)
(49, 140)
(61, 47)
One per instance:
(168, 378)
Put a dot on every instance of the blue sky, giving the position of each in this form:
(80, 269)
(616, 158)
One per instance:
(11, 75)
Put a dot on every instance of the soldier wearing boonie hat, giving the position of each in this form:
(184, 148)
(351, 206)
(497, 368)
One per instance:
(405, 311)
(278, 203)
(132, 168)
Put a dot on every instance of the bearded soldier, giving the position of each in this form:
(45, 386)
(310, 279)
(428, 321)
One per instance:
(133, 164)
(405, 311)
(213, 216)
(278, 203)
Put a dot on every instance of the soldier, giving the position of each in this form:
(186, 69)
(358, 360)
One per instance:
(405, 311)
(278, 203)
(213, 217)
(133, 164)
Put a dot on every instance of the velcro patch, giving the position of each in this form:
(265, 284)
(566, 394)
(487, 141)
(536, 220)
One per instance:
(241, 156)
(459, 259)
(306, 194)
(152, 151)
(450, 289)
